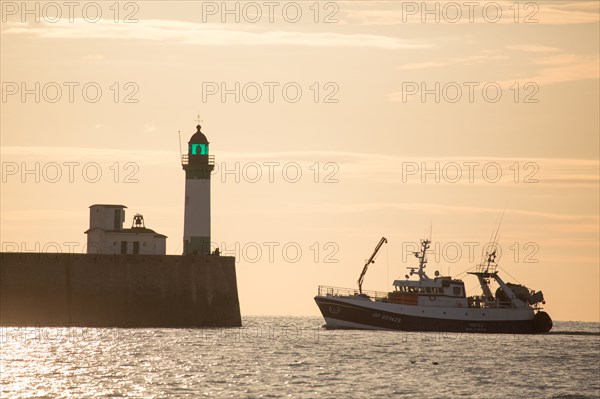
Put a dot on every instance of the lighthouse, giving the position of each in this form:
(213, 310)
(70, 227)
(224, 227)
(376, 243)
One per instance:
(198, 165)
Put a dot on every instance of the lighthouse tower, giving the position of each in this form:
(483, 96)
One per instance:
(198, 166)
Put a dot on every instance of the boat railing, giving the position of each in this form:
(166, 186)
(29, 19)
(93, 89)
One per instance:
(349, 292)
(486, 268)
(480, 301)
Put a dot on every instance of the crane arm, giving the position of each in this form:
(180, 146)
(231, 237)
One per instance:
(371, 260)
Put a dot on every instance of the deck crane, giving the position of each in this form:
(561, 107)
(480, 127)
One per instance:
(371, 260)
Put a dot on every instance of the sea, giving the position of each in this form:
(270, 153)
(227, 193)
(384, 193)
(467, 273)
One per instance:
(281, 357)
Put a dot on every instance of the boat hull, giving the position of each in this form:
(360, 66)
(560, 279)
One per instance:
(360, 313)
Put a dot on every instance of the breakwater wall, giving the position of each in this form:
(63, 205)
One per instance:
(44, 289)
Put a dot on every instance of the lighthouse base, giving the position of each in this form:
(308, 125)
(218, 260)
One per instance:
(197, 246)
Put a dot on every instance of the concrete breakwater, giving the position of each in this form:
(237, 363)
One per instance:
(45, 289)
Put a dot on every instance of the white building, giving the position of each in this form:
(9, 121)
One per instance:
(106, 234)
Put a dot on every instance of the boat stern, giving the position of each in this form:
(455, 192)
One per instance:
(542, 323)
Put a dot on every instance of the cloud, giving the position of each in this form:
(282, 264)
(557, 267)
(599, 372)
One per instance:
(171, 31)
(436, 208)
(426, 208)
(482, 58)
(43, 154)
(547, 68)
(562, 68)
(543, 171)
(93, 57)
(569, 12)
(381, 168)
(533, 48)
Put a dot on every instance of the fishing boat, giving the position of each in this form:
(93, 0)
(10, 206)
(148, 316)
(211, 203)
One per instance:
(421, 303)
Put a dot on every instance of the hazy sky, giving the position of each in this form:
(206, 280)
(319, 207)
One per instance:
(324, 119)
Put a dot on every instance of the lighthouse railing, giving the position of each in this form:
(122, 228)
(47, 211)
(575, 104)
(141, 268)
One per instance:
(185, 159)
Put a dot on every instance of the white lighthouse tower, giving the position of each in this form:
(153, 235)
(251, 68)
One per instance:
(198, 165)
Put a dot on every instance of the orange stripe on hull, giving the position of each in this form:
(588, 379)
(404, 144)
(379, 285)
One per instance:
(403, 299)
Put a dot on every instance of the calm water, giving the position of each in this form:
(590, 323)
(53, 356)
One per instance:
(294, 357)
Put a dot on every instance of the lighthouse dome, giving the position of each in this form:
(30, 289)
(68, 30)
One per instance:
(198, 137)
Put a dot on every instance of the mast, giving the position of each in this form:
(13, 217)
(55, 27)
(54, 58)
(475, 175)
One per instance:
(422, 256)
(371, 260)
(484, 271)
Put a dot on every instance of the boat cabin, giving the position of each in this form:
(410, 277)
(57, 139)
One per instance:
(440, 291)
(437, 286)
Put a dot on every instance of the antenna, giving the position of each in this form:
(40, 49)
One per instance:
(490, 254)
(492, 240)
(387, 260)
(180, 154)
(497, 236)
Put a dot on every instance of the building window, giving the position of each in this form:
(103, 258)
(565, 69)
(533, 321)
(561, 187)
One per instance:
(123, 247)
(136, 247)
(117, 219)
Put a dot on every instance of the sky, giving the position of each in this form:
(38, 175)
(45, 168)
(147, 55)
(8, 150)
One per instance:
(332, 124)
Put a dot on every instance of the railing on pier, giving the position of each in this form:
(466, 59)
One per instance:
(348, 292)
